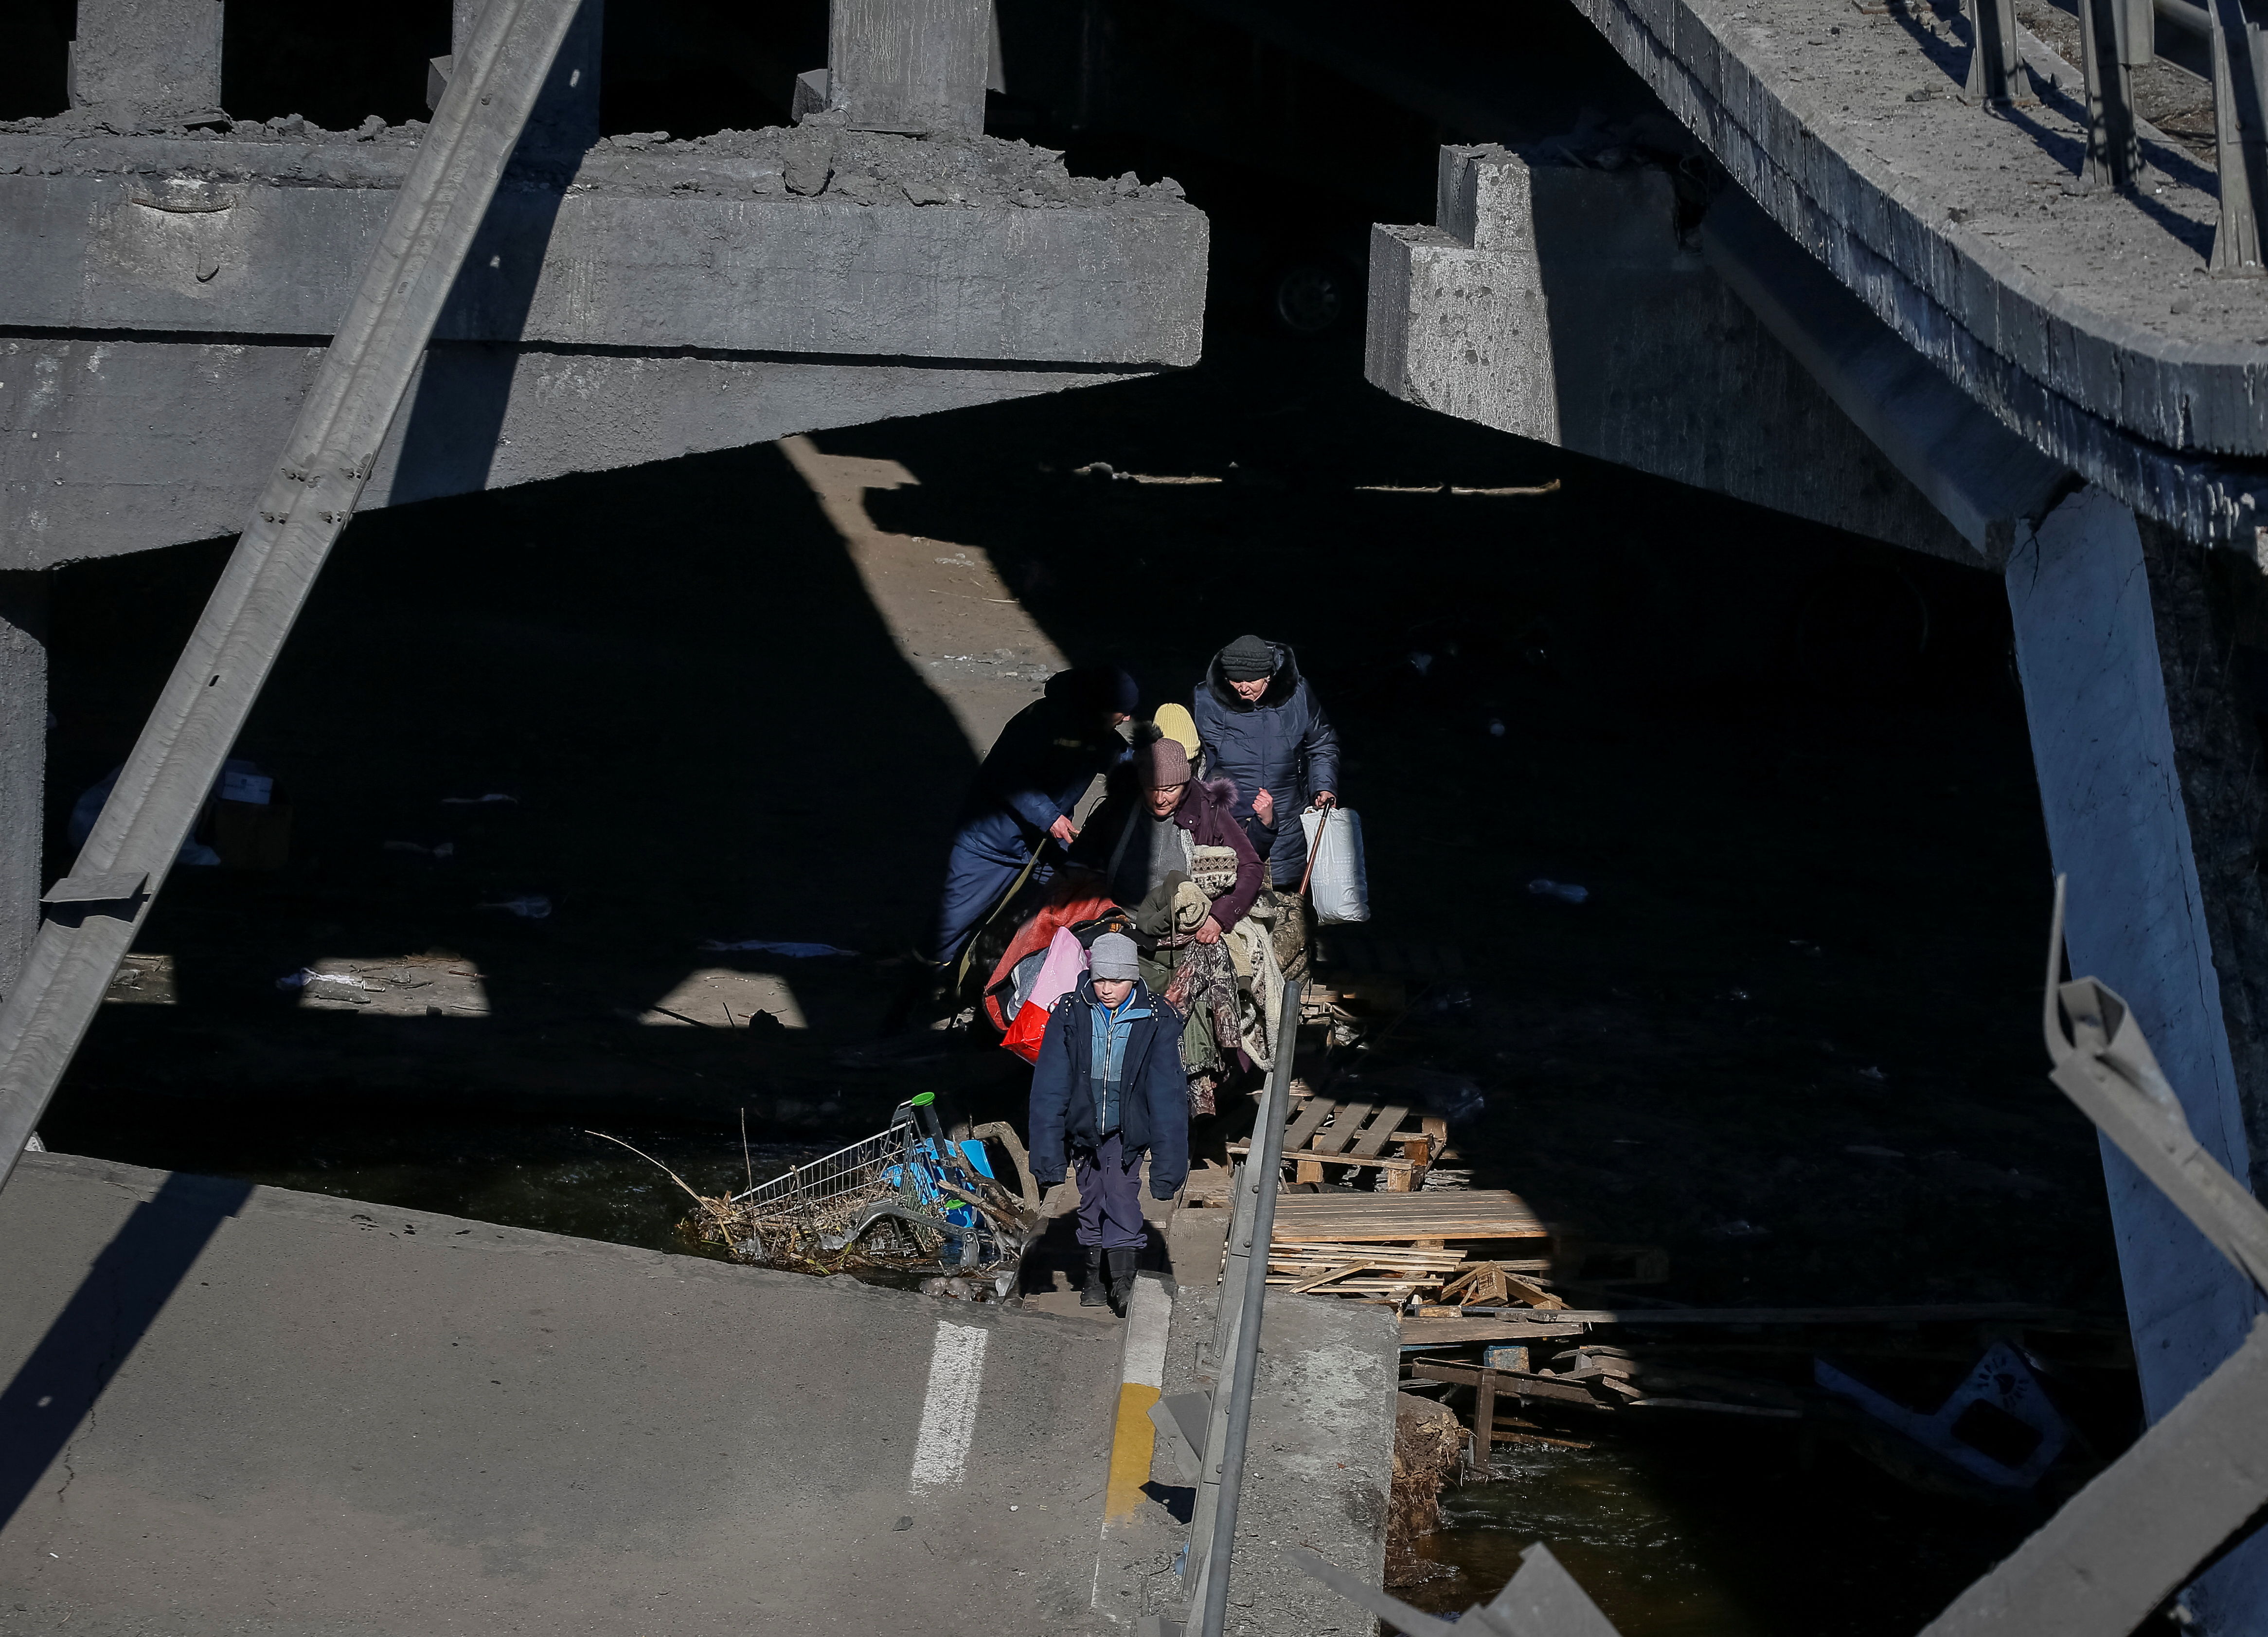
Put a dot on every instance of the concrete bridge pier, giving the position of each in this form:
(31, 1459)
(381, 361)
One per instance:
(1605, 305)
(2129, 641)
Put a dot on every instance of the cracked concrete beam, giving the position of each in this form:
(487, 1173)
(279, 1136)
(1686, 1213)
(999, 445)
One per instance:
(804, 242)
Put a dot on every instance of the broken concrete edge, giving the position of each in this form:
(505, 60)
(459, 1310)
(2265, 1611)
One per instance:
(189, 1189)
(781, 162)
(2073, 381)
(1505, 330)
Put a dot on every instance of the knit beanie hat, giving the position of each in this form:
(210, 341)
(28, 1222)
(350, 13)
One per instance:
(1248, 660)
(1173, 721)
(1113, 956)
(1164, 763)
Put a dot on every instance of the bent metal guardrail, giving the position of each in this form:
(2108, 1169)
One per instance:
(2143, 1528)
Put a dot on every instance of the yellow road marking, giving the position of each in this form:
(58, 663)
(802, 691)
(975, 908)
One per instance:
(1131, 1446)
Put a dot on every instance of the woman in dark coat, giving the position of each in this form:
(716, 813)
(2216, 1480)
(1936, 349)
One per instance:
(1133, 841)
(1262, 727)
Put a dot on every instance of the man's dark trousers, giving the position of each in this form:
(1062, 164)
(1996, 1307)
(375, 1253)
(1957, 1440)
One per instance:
(1109, 1198)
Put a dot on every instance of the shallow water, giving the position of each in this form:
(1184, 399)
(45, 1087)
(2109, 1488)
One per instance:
(1714, 1533)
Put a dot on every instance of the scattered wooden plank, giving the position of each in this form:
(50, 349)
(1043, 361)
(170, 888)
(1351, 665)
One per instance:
(1772, 1411)
(1429, 1335)
(1325, 1277)
(1479, 1213)
(1509, 1431)
(1383, 1126)
(1312, 1157)
(1306, 1123)
(1345, 1123)
(1533, 1296)
(1520, 1383)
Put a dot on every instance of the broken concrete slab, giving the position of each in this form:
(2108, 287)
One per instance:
(275, 1413)
(2083, 321)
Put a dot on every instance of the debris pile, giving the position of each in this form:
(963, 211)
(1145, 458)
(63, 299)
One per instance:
(1516, 1370)
(908, 1202)
(1429, 1449)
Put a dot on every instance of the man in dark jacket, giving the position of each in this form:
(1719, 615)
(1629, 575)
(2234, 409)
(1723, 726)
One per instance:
(1107, 1089)
(1031, 778)
(1261, 727)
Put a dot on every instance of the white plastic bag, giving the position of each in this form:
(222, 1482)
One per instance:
(1340, 885)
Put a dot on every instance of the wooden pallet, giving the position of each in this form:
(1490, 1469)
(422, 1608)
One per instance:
(1338, 1270)
(1342, 1216)
(1326, 1132)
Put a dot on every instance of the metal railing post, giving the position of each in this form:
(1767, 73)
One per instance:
(1997, 74)
(2241, 137)
(1243, 1287)
(2113, 153)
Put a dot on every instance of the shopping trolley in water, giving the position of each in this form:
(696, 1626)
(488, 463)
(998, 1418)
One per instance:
(908, 1197)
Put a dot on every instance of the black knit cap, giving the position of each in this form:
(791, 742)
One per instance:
(1248, 660)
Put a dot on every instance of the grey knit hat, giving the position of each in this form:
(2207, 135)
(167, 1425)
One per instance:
(1113, 956)
(1248, 660)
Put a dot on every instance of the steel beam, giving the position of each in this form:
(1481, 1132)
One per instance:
(365, 376)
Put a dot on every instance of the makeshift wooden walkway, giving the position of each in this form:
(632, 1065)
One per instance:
(1321, 1132)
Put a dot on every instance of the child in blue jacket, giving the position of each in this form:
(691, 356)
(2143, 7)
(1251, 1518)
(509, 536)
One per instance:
(1107, 1089)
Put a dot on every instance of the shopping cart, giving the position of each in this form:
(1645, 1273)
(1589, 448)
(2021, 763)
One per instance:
(909, 1198)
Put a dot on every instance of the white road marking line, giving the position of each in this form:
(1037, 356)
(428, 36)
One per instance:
(957, 1376)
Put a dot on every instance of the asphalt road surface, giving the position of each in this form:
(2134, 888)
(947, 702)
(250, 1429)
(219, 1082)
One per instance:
(257, 1411)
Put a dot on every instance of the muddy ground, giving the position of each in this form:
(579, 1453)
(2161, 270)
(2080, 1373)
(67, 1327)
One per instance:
(1792, 1035)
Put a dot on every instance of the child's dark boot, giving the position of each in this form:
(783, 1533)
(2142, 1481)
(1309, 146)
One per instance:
(1093, 1295)
(1122, 1280)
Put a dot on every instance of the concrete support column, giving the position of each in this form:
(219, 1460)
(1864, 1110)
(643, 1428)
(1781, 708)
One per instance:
(2122, 729)
(23, 762)
(153, 53)
(920, 66)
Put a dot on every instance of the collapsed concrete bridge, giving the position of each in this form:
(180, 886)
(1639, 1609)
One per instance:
(1872, 274)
